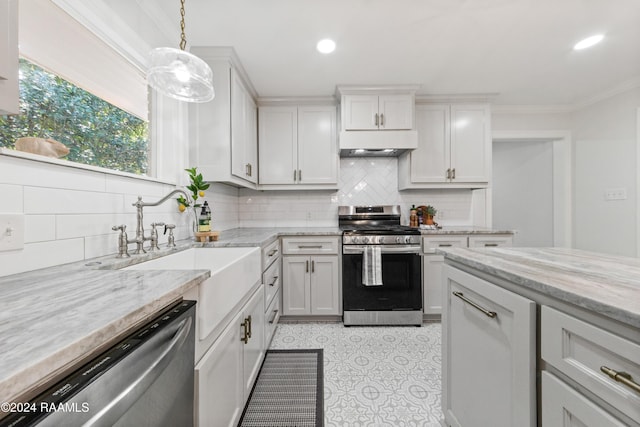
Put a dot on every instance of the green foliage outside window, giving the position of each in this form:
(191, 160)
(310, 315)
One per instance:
(96, 132)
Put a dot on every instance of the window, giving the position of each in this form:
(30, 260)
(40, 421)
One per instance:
(95, 131)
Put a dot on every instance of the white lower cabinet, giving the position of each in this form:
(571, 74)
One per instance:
(225, 374)
(433, 263)
(563, 406)
(591, 357)
(311, 285)
(489, 354)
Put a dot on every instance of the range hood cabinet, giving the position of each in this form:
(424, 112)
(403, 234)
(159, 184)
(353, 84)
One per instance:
(388, 143)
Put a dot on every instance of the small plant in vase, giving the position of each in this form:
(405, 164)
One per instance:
(430, 212)
(197, 188)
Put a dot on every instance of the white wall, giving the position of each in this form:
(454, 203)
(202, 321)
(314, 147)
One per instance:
(363, 181)
(605, 136)
(523, 191)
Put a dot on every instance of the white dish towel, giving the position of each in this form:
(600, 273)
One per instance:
(372, 266)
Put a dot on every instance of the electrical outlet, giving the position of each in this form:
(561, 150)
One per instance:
(11, 232)
(615, 194)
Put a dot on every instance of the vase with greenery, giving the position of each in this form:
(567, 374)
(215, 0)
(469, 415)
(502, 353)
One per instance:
(197, 188)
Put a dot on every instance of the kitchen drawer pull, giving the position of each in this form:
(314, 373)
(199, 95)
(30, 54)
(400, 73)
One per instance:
(245, 337)
(272, 252)
(444, 245)
(460, 295)
(275, 314)
(275, 279)
(490, 245)
(309, 246)
(622, 377)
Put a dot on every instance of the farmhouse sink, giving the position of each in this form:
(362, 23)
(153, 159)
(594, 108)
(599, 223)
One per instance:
(234, 271)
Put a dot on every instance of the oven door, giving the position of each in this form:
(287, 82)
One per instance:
(401, 287)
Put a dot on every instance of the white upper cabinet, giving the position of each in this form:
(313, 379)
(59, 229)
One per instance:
(9, 94)
(297, 146)
(454, 148)
(224, 131)
(378, 112)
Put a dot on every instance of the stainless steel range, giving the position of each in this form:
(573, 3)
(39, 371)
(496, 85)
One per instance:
(381, 267)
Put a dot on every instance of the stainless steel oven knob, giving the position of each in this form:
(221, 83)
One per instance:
(407, 239)
(399, 239)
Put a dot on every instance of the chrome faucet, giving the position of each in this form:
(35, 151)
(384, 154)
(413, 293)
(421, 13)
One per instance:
(140, 237)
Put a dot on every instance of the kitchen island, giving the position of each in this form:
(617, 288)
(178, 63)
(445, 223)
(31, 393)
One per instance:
(553, 332)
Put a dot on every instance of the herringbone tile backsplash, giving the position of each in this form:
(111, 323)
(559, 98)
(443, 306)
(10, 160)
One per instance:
(363, 181)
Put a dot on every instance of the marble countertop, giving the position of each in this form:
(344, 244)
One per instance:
(465, 230)
(606, 284)
(51, 320)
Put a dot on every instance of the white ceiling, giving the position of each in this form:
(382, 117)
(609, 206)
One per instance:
(519, 49)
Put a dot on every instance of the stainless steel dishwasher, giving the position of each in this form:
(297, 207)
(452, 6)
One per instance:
(144, 380)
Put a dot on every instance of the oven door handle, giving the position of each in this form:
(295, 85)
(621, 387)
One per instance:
(359, 249)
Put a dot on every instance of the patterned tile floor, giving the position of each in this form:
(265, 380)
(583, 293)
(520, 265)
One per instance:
(374, 376)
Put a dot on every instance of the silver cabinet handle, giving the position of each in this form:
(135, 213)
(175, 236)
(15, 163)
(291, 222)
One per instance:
(272, 252)
(275, 279)
(460, 295)
(448, 173)
(245, 331)
(299, 174)
(294, 175)
(622, 377)
(381, 119)
(444, 245)
(249, 319)
(490, 245)
(376, 119)
(307, 266)
(313, 266)
(273, 318)
(453, 173)
(114, 410)
(309, 246)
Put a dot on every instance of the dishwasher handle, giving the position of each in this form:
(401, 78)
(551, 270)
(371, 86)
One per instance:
(113, 411)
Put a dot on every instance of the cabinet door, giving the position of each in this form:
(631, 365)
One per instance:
(489, 363)
(432, 283)
(563, 406)
(9, 95)
(325, 285)
(396, 112)
(360, 112)
(218, 377)
(251, 137)
(430, 161)
(278, 145)
(470, 143)
(317, 147)
(296, 285)
(253, 349)
(239, 164)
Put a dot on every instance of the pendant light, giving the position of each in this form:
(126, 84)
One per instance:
(179, 74)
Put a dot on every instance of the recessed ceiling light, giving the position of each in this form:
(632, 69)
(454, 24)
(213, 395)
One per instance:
(326, 46)
(588, 42)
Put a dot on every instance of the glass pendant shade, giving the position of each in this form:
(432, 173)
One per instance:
(180, 75)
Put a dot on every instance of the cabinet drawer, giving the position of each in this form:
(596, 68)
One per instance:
(310, 245)
(272, 315)
(271, 279)
(490, 241)
(270, 253)
(579, 349)
(563, 406)
(431, 243)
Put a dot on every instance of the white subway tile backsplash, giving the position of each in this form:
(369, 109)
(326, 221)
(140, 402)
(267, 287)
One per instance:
(38, 200)
(80, 225)
(12, 198)
(39, 228)
(38, 174)
(41, 255)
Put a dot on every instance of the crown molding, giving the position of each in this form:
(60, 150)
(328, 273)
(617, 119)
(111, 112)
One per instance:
(425, 98)
(297, 100)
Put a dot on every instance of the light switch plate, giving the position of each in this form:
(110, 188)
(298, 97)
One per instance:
(11, 232)
(615, 194)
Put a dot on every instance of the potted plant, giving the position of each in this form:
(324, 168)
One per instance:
(429, 212)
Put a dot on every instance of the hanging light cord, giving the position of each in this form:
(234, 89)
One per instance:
(183, 38)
